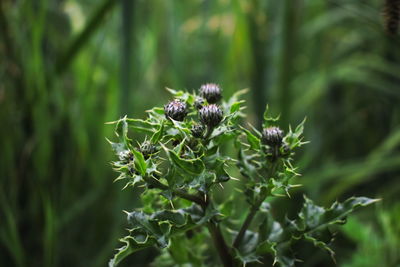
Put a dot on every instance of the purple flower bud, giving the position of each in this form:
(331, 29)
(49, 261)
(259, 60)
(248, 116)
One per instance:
(272, 136)
(211, 92)
(175, 110)
(211, 115)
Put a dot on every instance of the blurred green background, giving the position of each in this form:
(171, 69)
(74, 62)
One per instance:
(69, 66)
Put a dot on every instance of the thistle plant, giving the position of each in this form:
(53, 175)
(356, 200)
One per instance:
(183, 169)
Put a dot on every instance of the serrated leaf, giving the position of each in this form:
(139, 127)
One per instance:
(131, 245)
(142, 125)
(311, 226)
(294, 138)
(246, 167)
(157, 135)
(253, 140)
(220, 172)
(121, 130)
(175, 217)
(320, 244)
(268, 120)
(313, 217)
(191, 166)
(140, 162)
(199, 216)
(235, 107)
(117, 147)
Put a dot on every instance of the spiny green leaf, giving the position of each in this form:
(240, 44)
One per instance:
(320, 244)
(191, 166)
(157, 135)
(220, 172)
(117, 147)
(253, 140)
(132, 245)
(142, 125)
(268, 120)
(140, 163)
(176, 217)
(295, 139)
(235, 107)
(313, 217)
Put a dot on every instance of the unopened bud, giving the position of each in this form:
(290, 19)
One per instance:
(211, 115)
(175, 110)
(272, 136)
(197, 130)
(147, 149)
(211, 92)
(125, 156)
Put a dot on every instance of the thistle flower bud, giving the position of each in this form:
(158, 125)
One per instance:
(211, 115)
(272, 136)
(211, 92)
(175, 110)
(147, 149)
(125, 156)
(199, 102)
(197, 130)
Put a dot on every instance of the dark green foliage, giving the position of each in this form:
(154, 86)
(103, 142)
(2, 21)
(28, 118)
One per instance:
(67, 66)
(190, 168)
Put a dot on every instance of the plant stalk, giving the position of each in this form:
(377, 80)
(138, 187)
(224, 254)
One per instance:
(246, 225)
(208, 133)
(220, 244)
(253, 211)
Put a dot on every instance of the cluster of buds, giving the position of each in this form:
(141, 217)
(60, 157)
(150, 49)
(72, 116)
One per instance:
(175, 110)
(210, 114)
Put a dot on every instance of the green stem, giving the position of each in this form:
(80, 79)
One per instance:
(253, 211)
(245, 225)
(208, 133)
(183, 194)
(220, 244)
